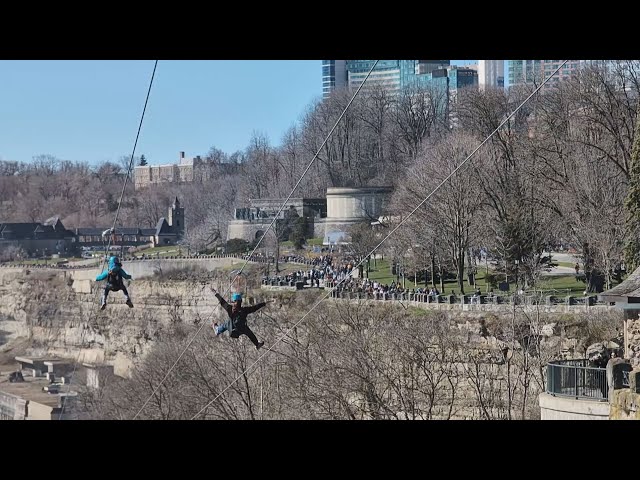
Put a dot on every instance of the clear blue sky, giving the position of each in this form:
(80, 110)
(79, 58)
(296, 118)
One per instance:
(89, 110)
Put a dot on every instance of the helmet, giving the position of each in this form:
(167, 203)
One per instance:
(236, 297)
(114, 263)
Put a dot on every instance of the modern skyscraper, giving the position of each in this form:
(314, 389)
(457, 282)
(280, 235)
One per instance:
(457, 78)
(461, 77)
(387, 74)
(393, 74)
(535, 71)
(334, 76)
(428, 66)
(490, 73)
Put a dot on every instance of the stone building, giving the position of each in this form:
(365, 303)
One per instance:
(51, 237)
(251, 222)
(329, 218)
(347, 207)
(187, 170)
(170, 230)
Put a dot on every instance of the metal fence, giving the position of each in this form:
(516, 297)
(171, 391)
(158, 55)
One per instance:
(575, 378)
(544, 300)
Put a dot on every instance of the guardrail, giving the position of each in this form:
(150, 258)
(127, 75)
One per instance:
(575, 378)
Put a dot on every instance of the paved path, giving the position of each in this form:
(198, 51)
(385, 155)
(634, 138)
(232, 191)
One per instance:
(564, 258)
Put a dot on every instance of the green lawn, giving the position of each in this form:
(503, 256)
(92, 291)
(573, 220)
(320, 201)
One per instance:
(566, 284)
(285, 268)
(565, 264)
(39, 261)
(562, 284)
(381, 272)
(310, 242)
(314, 242)
(162, 251)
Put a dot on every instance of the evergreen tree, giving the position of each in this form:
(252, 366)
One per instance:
(632, 205)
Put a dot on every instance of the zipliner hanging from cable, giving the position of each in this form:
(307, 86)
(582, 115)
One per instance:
(237, 322)
(114, 276)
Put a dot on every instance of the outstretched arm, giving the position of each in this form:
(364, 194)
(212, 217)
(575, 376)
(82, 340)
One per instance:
(102, 276)
(258, 306)
(125, 274)
(222, 301)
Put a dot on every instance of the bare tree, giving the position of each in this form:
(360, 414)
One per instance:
(453, 209)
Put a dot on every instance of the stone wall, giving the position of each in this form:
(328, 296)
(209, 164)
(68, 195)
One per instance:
(347, 203)
(625, 403)
(633, 332)
(58, 312)
(12, 407)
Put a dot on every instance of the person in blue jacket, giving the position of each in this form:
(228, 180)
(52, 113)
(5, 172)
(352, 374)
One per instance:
(114, 276)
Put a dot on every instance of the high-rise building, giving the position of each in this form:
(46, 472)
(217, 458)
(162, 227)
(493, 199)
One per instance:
(386, 74)
(457, 78)
(490, 73)
(397, 75)
(535, 71)
(423, 73)
(428, 66)
(461, 77)
(334, 76)
(393, 74)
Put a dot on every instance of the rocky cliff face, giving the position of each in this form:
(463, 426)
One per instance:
(633, 331)
(60, 314)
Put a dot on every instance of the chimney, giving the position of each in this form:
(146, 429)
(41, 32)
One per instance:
(181, 155)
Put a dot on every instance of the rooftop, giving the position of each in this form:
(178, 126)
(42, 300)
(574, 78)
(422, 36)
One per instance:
(30, 389)
(627, 292)
(29, 359)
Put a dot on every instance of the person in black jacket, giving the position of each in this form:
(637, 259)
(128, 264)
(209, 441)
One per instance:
(237, 322)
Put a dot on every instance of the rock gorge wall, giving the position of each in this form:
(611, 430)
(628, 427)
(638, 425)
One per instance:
(58, 312)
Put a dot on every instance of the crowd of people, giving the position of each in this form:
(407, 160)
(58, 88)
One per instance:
(336, 272)
(325, 269)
